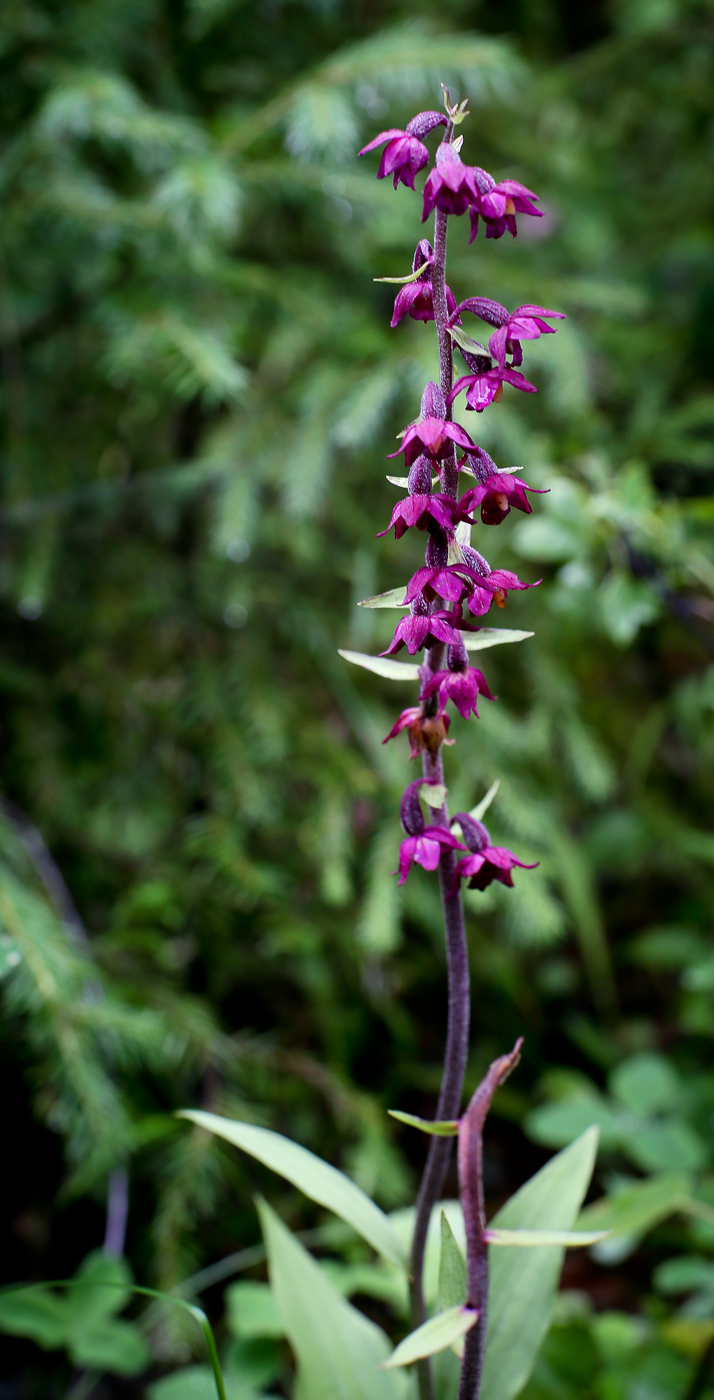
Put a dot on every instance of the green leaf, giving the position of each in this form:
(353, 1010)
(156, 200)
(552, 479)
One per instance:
(666, 1145)
(481, 808)
(646, 1084)
(638, 1207)
(493, 637)
(682, 1275)
(338, 1350)
(113, 1345)
(252, 1310)
(435, 1335)
(529, 1239)
(448, 1127)
(434, 794)
(393, 598)
(467, 342)
(320, 1181)
(35, 1313)
(384, 665)
(411, 276)
(523, 1283)
(452, 1269)
(556, 1124)
(197, 1383)
(106, 1289)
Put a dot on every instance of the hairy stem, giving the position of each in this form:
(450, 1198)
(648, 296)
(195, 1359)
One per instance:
(457, 1035)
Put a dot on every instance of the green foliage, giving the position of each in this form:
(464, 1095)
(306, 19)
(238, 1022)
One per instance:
(83, 1319)
(198, 388)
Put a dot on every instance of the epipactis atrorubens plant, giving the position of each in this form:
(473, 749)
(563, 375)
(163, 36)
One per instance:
(455, 586)
(338, 1350)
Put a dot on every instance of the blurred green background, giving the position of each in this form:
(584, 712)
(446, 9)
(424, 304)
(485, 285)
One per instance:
(199, 386)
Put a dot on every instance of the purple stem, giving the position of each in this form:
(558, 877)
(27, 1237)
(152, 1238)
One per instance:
(471, 1193)
(457, 1035)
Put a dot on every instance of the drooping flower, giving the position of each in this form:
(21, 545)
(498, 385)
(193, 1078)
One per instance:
(495, 589)
(452, 186)
(416, 300)
(426, 732)
(419, 630)
(405, 154)
(417, 510)
(426, 849)
(485, 386)
(434, 438)
(498, 206)
(463, 687)
(452, 582)
(496, 496)
(486, 862)
(482, 868)
(525, 323)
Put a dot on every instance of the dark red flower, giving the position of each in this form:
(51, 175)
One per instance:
(462, 687)
(481, 868)
(417, 510)
(497, 496)
(498, 206)
(419, 630)
(426, 732)
(434, 438)
(485, 386)
(425, 848)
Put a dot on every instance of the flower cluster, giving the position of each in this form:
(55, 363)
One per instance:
(456, 583)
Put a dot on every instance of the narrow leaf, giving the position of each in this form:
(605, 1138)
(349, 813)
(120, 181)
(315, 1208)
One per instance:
(452, 1269)
(393, 598)
(570, 1239)
(339, 1351)
(481, 808)
(435, 1335)
(639, 1206)
(523, 1283)
(493, 637)
(385, 666)
(320, 1181)
(411, 276)
(403, 481)
(467, 342)
(448, 1127)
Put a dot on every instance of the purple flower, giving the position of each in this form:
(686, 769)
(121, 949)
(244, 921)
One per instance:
(495, 589)
(451, 186)
(416, 300)
(425, 732)
(525, 323)
(497, 496)
(462, 687)
(486, 386)
(433, 438)
(498, 206)
(448, 582)
(418, 510)
(419, 630)
(405, 153)
(481, 868)
(425, 848)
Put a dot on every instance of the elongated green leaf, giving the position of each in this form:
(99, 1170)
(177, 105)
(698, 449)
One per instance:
(411, 276)
(639, 1206)
(446, 1128)
(435, 1335)
(493, 637)
(393, 598)
(339, 1352)
(530, 1239)
(523, 1283)
(452, 1269)
(467, 342)
(481, 808)
(320, 1181)
(384, 666)
(403, 481)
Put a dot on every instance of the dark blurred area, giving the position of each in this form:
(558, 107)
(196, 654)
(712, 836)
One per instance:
(198, 389)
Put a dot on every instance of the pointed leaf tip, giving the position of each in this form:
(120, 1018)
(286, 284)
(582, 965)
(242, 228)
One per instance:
(435, 1335)
(447, 1127)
